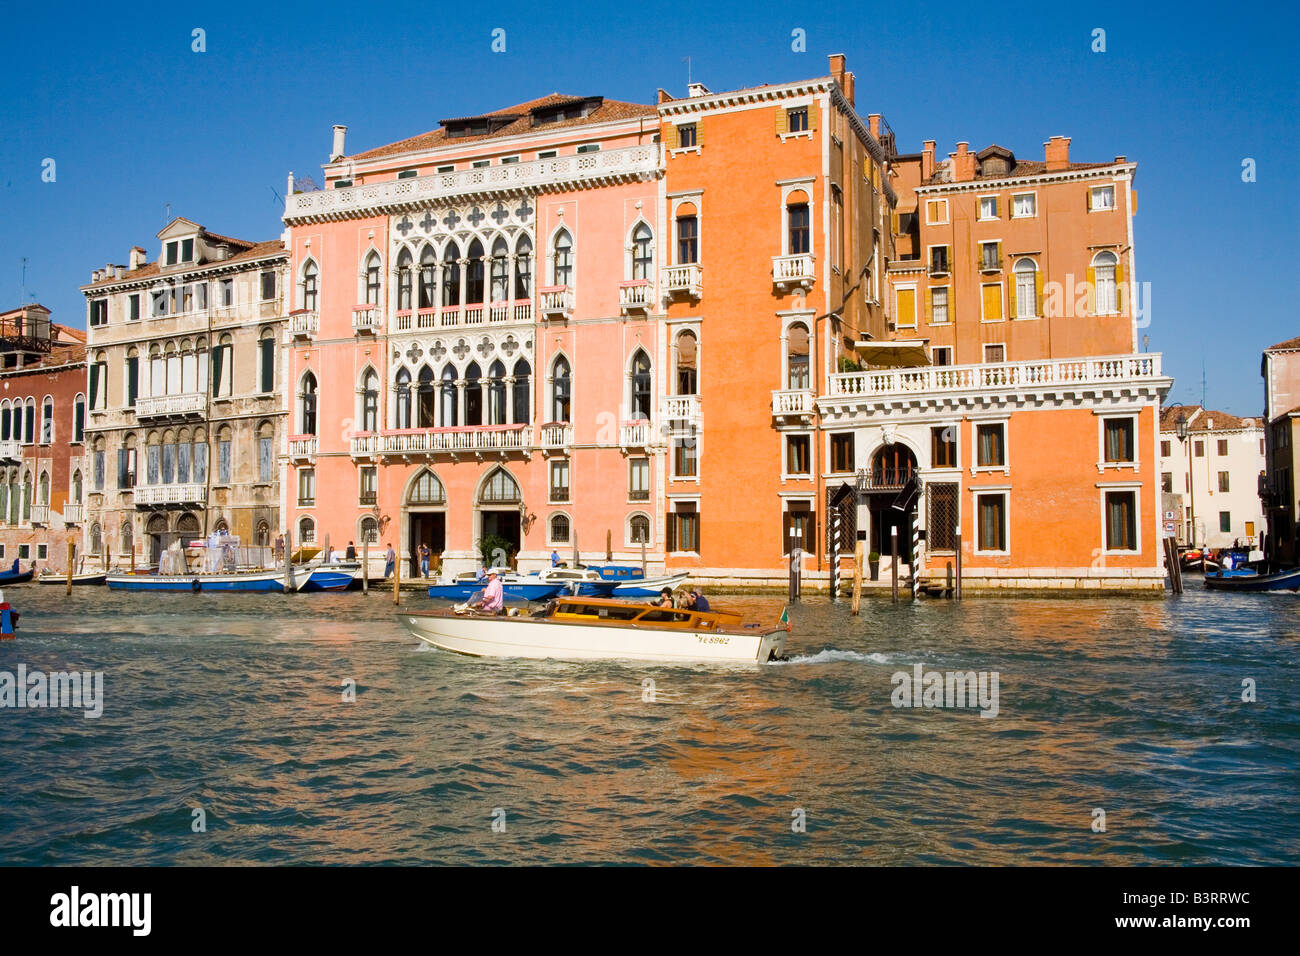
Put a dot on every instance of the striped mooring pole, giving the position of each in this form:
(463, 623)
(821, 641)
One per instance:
(835, 555)
(916, 551)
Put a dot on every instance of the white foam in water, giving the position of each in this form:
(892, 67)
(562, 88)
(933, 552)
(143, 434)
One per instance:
(831, 655)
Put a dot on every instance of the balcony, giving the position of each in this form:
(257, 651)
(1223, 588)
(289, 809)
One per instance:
(794, 403)
(184, 405)
(501, 313)
(71, 514)
(637, 434)
(634, 296)
(791, 271)
(365, 319)
(304, 324)
(302, 447)
(454, 441)
(11, 451)
(684, 280)
(40, 514)
(150, 495)
(556, 302)
(557, 436)
(680, 411)
(939, 266)
(884, 479)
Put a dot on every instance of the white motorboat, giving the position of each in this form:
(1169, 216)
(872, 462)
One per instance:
(600, 628)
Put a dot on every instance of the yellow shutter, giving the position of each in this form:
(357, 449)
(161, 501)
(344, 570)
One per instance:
(670, 136)
(893, 218)
(992, 300)
(1038, 291)
(1087, 195)
(812, 115)
(947, 251)
(1092, 291)
(929, 307)
(998, 253)
(782, 121)
(699, 132)
(906, 307)
(1121, 293)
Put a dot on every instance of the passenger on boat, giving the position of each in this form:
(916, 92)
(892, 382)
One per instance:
(698, 601)
(665, 599)
(493, 599)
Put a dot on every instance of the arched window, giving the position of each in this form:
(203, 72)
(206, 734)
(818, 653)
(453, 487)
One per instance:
(796, 356)
(43, 489)
(428, 263)
(223, 371)
(639, 529)
(799, 233)
(450, 275)
(369, 530)
(500, 271)
(496, 394)
(79, 418)
(500, 488)
(404, 281)
(403, 398)
(561, 387)
(424, 406)
(266, 360)
(562, 259)
(306, 531)
(372, 279)
(310, 276)
(473, 395)
(307, 405)
(29, 421)
(76, 487)
(128, 537)
(1103, 271)
(168, 457)
(642, 251)
(370, 401)
(262, 536)
(427, 490)
(688, 379)
(173, 357)
(474, 274)
(47, 420)
(450, 402)
(6, 420)
(523, 268)
(96, 539)
(1026, 289)
(99, 381)
(520, 393)
(559, 529)
(640, 404)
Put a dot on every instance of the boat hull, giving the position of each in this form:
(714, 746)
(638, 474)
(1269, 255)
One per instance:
(10, 577)
(1237, 581)
(524, 637)
(268, 582)
(330, 577)
(649, 587)
(77, 579)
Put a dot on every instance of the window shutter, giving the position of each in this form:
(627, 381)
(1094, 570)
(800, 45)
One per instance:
(218, 353)
(1119, 284)
(699, 132)
(782, 126)
(1038, 292)
(671, 532)
(1092, 290)
(121, 468)
(671, 138)
(1087, 193)
(94, 386)
(893, 218)
(997, 250)
(906, 307)
(812, 115)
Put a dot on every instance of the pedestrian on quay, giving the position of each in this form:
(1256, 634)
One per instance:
(351, 553)
(424, 560)
(390, 560)
(279, 549)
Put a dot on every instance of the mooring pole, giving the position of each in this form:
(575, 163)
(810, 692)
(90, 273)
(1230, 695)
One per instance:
(859, 553)
(72, 548)
(893, 562)
(288, 562)
(397, 579)
(794, 565)
(835, 555)
(956, 593)
(916, 552)
(365, 566)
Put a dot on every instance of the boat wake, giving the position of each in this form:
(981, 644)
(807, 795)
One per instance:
(832, 656)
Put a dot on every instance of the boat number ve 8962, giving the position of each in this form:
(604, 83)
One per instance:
(712, 639)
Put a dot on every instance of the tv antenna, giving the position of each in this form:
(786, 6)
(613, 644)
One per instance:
(687, 60)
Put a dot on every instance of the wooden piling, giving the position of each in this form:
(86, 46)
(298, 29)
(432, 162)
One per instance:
(397, 580)
(956, 593)
(288, 558)
(72, 550)
(859, 554)
(893, 563)
(365, 566)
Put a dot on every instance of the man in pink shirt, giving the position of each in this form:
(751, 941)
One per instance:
(493, 598)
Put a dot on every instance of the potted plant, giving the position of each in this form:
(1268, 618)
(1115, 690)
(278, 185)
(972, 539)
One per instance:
(873, 559)
(491, 548)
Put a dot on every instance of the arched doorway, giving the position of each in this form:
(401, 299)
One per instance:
(426, 510)
(156, 531)
(893, 467)
(498, 503)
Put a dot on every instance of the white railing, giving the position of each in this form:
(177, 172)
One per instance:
(629, 163)
(500, 312)
(11, 450)
(474, 315)
(792, 402)
(557, 435)
(634, 296)
(556, 301)
(186, 403)
(511, 438)
(365, 318)
(170, 494)
(687, 278)
(793, 270)
(72, 513)
(638, 434)
(302, 447)
(681, 408)
(40, 514)
(304, 323)
(364, 445)
(963, 378)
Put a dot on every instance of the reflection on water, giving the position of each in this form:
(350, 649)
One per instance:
(235, 704)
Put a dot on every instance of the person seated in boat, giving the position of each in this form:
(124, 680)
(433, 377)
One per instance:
(493, 600)
(665, 599)
(698, 601)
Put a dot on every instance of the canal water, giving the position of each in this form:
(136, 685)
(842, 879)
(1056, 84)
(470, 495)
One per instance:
(233, 705)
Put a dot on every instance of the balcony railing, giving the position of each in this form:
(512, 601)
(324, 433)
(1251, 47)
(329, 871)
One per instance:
(556, 302)
(884, 478)
(680, 408)
(365, 318)
(793, 401)
(454, 316)
(1109, 370)
(789, 271)
(634, 296)
(302, 447)
(190, 494)
(11, 450)
(435, 440)
(171, 406)
(72, 513)
(688, 279)
(557, 435)
(304, 324)
(939, 267)
(637, 434)
(40, 514)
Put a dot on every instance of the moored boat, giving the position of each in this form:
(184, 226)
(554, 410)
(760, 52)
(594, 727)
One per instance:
(600, 628)
(88, 577)
(252, 581)
(587, 582)
(514, 587)
(14, 575)
(332, 577)
(650, 587)
(1248, 580)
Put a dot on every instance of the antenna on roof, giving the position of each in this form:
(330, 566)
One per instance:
(1202, 382)
(168, 213)
(23, 300)
(688, 70)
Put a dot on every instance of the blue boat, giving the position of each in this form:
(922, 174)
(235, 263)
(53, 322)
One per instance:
(1247, 580)
(513, 588)
(331, 577)
(15, 576)
(257, 581)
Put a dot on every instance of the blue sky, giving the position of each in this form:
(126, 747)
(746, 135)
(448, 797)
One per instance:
(134, 120)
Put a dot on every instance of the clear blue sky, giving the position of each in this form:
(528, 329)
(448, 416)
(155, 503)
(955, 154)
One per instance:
(134, 120)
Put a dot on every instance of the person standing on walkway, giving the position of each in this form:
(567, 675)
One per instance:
(424, 559)
(351, 553)
(390, 560)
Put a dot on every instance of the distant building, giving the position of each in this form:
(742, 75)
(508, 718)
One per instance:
(186, 394)
(1281, 370)
(42, 421)
(1215, 470)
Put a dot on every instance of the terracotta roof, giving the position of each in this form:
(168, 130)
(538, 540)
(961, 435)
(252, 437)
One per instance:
(246, 243)
(1198, 419)
(1022, 169)
(1288, 344)
(608, 111)
(255, 251)
(29, 305)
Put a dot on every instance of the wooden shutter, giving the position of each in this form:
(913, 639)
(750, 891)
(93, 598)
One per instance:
(1087, 194)
(929, 306)
(94, 385)
(782, 121)
(992, 294)
(997, 252)
(670, 136)
(1038, 292)
(906, 307)
(812, 115)
(699, 132)
(1120, 296)
(1092, 290)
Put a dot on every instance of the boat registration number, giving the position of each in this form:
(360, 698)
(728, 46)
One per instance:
(712, 639)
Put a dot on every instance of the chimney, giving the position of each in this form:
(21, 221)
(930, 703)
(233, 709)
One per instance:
(927, 161)
(697, 89)
(664, 96)
(963, 164)
(1057, 152)
(873, 123)
(136, 257)
(340, 143)
(119, 271)
(837, 68)
(1121, 159)
(94, 275)
(850, 88)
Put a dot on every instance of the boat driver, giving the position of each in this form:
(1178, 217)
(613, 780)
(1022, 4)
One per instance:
(493, 599)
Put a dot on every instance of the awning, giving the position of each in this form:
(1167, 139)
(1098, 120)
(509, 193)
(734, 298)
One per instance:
(901, 353)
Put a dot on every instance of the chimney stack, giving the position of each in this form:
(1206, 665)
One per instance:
(1057, 152)
(340, 143)
(927, 161)
(837, 68)
(963, 164)
(136, 257)
(873, 124)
